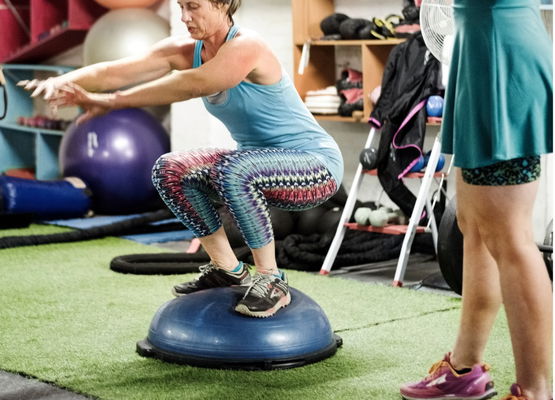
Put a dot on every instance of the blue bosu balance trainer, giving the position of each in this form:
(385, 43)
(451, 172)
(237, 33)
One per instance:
(203, 329)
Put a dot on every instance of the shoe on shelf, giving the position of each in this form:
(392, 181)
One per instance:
(211, 277)
(444, 383)
(265, 296)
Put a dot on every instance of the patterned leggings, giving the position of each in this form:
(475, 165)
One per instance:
(248, 181)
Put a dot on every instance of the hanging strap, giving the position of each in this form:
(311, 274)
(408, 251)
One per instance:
(410, 116)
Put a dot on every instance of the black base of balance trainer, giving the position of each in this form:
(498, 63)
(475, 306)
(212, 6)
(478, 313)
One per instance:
(203, 329)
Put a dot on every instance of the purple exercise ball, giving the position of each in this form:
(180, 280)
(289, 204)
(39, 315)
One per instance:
(114, 154)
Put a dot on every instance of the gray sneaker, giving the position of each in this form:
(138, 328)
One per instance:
(211, 276)
(265, 296)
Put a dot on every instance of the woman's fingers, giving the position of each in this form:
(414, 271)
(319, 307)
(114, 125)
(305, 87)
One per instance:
(47, 88)
(28, 84)
(41, 87)
(66, 94)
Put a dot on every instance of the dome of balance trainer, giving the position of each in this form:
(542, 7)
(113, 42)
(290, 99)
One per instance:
(203, 329)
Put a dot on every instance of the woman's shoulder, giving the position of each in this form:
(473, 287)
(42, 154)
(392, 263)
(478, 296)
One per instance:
(247, 43)
(248, 37)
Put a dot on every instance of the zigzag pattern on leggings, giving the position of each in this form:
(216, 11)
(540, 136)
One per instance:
(184, 184)
(248, 181)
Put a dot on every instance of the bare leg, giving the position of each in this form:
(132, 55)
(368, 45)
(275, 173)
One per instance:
(503, 217)
(221, 254)
(265, 259)
(218, 248)
(481, 289)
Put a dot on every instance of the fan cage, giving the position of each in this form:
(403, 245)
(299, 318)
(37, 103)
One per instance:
(436, 24)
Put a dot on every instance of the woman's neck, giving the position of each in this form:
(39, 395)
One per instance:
(213, 42)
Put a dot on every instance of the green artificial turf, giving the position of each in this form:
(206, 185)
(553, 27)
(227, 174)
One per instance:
(66, 318)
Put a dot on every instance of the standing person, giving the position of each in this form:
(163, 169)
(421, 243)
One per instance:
(284, 158)
(497, 122)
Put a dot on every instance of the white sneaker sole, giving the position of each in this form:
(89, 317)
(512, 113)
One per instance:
(487, 395)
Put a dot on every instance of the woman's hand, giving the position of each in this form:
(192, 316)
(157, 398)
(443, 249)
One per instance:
(94, 104)
(66, 94)
(45, 88)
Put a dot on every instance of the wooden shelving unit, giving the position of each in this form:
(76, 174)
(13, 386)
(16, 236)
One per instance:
(321, 71)
(24, 146)
(39, 29)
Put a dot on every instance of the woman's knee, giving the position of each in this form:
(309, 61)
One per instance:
(159, 169)
(508, 244)
(169, 171)
(467, 223)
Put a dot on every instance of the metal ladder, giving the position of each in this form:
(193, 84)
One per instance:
(423, 200)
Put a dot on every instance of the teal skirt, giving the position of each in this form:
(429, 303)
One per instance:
(499, 98)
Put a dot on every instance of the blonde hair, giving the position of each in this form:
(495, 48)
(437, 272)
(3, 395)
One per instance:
(233, 5)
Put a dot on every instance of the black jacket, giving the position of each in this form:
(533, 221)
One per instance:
(411, 75)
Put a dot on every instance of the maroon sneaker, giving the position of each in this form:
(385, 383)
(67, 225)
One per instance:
(444, 383)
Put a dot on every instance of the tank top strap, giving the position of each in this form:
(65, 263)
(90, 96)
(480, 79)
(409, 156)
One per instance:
(197, 55)
(232, 32)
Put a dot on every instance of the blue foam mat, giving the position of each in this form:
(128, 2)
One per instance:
(161, 237)
(145, 238)
(84, 223)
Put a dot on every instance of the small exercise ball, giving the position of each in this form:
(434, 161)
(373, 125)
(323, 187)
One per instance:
(434, 106)
(203, 329)
(330, 220)
(368, 158)
(113, 4)
(114, 154)
(282, 225)
(122, 33)
(309, 220)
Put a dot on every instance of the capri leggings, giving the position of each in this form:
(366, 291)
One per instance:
(248, 181)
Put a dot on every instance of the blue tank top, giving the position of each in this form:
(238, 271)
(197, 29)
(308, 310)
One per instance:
(261, 116)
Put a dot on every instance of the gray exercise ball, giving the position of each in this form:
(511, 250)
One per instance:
(124, 32)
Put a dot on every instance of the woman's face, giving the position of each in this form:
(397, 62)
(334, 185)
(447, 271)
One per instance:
(202, 17)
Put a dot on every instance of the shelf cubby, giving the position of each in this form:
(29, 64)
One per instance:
(39, 29)
(321, 70)
(24, 146)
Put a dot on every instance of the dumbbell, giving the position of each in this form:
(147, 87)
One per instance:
(440, 161)
(382, 217)
(362, 215)
(423, 162)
